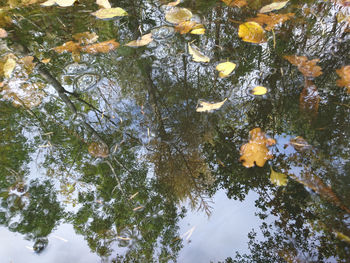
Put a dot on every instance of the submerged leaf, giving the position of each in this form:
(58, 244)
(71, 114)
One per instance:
(344, 74)
(307, 67)
(238, 3)
(196, 54)
(9, 66)
(309, 99)
(206, 106)
(251, 32)
(273, 6)
(143, 41)
(69, 46)
(177, 15)
(110, 12)
(28, 63)
(271, 20)
(278, 179)
(225, 68)
(102, 47)
(103, 3)
(259, 90)
(98, 149)
(185, 26)
(256, 151)
(3, 33)
(85, 38)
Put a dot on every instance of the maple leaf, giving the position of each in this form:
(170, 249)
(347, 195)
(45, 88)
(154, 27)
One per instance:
(271, 20)
(344, 74)
(256, 151)
(307, 67)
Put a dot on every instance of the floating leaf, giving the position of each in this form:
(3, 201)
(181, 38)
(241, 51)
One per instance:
(62, 3)
(185, 26)
(273, 6)
(102, 47)
(251, 32)
(299, 144)
(9, 66)
(259, 90)
(143, 41)
(110, 12)
(344, 74)
(174, 3)
(206, 106)
(278, 179)
(307, 67)
(98, 149)
(196, 54)
(103, 3)
(45, 60)
(3, 33)
(225, 68)
(309, 99)
(256, 151)
(85, 38)
(237, 3)
(177, 15)
(198, 30)
(342, 236)
(271, 20)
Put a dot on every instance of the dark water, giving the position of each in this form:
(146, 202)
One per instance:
(104, 157)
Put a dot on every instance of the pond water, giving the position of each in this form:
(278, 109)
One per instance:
(190, 131)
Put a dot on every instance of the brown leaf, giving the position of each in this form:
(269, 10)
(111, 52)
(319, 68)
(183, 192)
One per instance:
(256, 151)
(69, 46)
(98, 149)
(237, 3)
(271, 20)
(28, 63)
(85, 38)
(102, 47)
(344, 74)
(309, 99)
(307, 67)
(143, 41)
(185, 26)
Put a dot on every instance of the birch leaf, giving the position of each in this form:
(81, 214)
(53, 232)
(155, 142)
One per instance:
(9, 66)
(143, 41)
(206, 106)
(251, 32)
(225, 68)
(174, 3)
(65, 3)
(259, 90)
(103, 3)
(278, 179)
(198, 30)
(197, 56)
(109, 13)
(273, 6)
(176, 15)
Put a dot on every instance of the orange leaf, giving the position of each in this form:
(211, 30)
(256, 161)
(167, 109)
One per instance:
(69, 46)
(344, 74)
(85, 38)
(307, 67)
(237, 3)
(103, 47)
(271, 20)
(256, 151)
(3, 33)
(185, 26)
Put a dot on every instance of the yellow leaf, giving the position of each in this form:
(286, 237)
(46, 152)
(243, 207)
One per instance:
(143, 41)
(46, 60)
(185, 26)
(110, 12)
(174, 3)
(273, 6)
(225, 68)
(278, 179)
(49, 3)
(196, 54)
(259, 90)
(176, 15)
(103, 3)
(9, 66)
(206, 106)
(198, 31)
(251, 32)
(238, 3)
(256, 151)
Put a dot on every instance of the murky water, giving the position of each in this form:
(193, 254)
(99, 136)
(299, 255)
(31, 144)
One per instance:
(145, 152)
